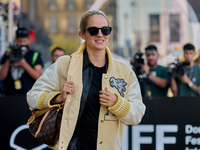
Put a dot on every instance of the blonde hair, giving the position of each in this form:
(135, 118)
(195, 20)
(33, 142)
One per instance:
(86, 15)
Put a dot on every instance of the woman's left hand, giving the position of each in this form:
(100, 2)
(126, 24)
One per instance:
(106, 98)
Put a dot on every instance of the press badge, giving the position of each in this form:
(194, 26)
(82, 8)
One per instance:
(18, 84)
(149, 93)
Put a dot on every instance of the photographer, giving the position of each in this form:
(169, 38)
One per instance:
(156, 80)
(189, 83)
(20, 67)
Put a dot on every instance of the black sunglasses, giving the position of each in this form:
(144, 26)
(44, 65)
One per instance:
(94, 30)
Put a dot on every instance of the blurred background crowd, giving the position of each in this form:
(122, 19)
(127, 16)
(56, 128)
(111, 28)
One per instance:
(148, 35)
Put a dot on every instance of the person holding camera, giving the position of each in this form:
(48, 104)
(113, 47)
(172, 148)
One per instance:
(189, 83)
(157, 79)
(20, 66)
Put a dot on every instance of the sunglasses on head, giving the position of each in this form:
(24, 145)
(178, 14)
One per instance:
(22, 33)
(93, 31)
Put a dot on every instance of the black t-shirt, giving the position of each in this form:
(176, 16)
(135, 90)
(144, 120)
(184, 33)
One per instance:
(18, 73)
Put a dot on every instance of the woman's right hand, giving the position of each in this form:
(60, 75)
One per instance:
(67, 88)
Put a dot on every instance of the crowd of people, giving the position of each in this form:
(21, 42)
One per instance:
(19, 71)
(155, 80)
(22, 66)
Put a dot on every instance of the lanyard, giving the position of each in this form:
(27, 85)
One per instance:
(191, 72)
(190, 77)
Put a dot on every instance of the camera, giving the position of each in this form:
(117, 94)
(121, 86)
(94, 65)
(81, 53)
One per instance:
(178, 70)
(16, 53)
(138, 63)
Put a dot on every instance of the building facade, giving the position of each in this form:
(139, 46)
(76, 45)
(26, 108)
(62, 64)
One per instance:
(168, 24)
(63, 16)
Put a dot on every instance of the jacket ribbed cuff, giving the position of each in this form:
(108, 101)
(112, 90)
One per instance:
(121, 108)
(45, 99)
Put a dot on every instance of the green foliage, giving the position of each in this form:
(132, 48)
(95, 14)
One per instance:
(68, 44)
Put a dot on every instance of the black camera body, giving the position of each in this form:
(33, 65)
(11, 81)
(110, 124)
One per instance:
(16, 53)
(138, 63)
(178, 70)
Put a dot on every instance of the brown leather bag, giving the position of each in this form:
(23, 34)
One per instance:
(45, 124)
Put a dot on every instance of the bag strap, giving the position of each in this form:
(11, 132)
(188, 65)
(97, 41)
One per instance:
(35, 56)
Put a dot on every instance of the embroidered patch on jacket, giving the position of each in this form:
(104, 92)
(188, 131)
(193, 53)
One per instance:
(119, 84)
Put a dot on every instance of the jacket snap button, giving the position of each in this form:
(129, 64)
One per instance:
(68, 100)
(66, 120)
(106, 77)
(71, 78)
(102, 121)
(100, 142)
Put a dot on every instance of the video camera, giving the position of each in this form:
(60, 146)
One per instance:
(138, 63)
(178, 70)
(16, 53)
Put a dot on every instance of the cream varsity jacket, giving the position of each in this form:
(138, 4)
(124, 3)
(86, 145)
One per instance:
(119, 79)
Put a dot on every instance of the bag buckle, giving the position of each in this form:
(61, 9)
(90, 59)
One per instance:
(60, 107)
(31, 120)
